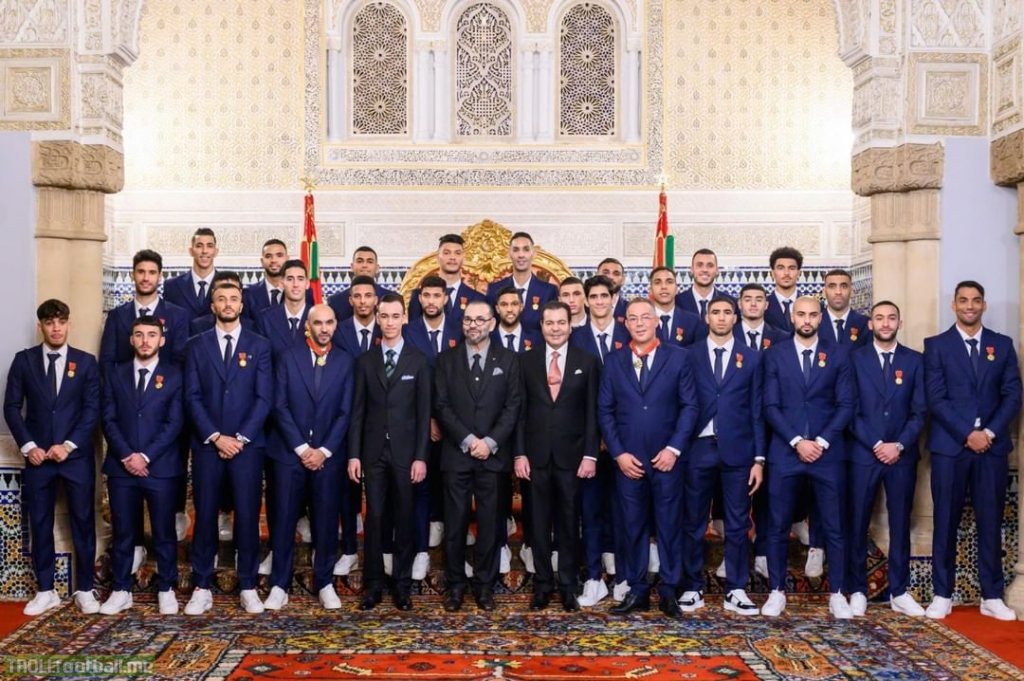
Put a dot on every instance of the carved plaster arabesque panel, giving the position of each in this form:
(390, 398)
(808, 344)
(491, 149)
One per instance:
(37, 23)
(948, 93)
(35, 89)
(1007, 81)
(948, 23)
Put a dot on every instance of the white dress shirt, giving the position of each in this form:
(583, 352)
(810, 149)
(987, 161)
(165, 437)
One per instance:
(208, 279)
(516, 333)
(304, 447)
(438, 346)
(709, 429)
(967, 348)
(800, 361)
(58, 366)
(151, 307)
(758, 330)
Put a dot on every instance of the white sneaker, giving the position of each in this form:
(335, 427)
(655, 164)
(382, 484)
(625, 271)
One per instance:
(554, 561)
(691, 601)
(266, 564)
(138, 558)
(510, 526)
(117, 601)
(420, 565)
(594, 591)
(329, 598)
(906, 605)
(345, 564)
(858, 604)
(608, 561)
(620, 591)
(505, 560)
(720, 570)
(653, 562)
(470, 538)
(276, 599)
(761, 566)
(839, 607)
(436, 533)
(201, 601)
(224, 527)
(718, 527)
(526, 555)
(250, 601)
(815, 566)
(41, 602)
(469, 570)
(389, 563)
(802, 532)
(775, 605)
(167, 602)
(939, 608)
(738, 602)
(305, 532)
(86, 602)
(181, 526)
(994, 607)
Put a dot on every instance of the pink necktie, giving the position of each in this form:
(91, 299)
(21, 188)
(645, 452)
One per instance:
(554, 376)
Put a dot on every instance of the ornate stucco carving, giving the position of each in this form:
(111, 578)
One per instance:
(898, 169)
(70, 165)
(1006, 156)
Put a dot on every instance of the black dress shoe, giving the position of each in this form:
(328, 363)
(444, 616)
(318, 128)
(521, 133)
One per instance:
(485, 600)
(541, 600)
(453, 601)
(631, 603)
(371, 599)
(402, 600)
(569, 602)
(670, 607)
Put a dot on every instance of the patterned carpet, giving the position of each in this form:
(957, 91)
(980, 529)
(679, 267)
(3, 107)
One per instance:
(303, 641)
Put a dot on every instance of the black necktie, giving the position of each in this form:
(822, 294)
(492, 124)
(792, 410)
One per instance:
(318, 372)
(603, 345)
(228, 350)
(275, 297)
(703, 309)
(752, 335)
(665, 319)
(389, 364)
(887, 366)
(839, 330)
(522, 294)
(144, 312)
(364, 344)
(973, 342)
(719, 365)
(451, 298)
(142, 382)
(510, 341)
(295, 325)
(644, 371)
(202, 291)
(433, 341)
(476, 370)
(807, 366)
(786, 305)
(51, 371)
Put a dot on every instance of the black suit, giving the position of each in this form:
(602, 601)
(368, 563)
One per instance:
(555, 435)
(487, 407)
(390, 430)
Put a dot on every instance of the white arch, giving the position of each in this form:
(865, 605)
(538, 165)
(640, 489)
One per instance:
(453, 9)
(620, 13)
(343, 12)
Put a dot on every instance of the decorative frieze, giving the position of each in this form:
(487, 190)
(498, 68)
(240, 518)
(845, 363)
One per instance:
(898, 169)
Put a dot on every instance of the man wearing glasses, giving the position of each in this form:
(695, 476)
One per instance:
(478, 401)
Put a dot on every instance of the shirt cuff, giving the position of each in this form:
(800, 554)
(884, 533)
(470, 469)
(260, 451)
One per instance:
(143, 455)
(759, 459)
(991, 435)
(467, 442)
(213, 436)
(822, 441)
(241, 438)
(673, 450)
(590, 458)
(795, 441)
(327, 453)
(28, 447)
(492, 445)
(877, 443)
(301, 449)
(70, 446)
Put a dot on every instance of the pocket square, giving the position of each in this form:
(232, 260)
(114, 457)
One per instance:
(407, 377)
(577, 372)
(497, 371)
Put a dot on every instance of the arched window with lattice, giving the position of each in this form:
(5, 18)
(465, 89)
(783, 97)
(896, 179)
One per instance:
(484, 68)
(380, 59)
(588, 66)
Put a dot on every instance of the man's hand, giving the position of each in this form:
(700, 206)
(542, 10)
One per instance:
(228, 447)
(58, 453)
(809, 451)
(136, 465)
(355, 470)
(480, 450)
(313, 459)
(587, 469)
(418, 472)
(36, 456)
(521, 466)
(755, 478)
(664, 461)
(979, 441)
(630, 466)
(435, 430)
(887, 452)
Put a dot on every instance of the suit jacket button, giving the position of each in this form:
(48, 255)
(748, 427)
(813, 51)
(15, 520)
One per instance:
(645, 407)
(885, 413)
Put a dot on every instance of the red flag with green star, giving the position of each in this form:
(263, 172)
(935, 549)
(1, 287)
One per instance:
(310, 254)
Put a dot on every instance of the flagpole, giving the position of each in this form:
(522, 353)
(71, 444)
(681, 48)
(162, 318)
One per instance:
(310, 248)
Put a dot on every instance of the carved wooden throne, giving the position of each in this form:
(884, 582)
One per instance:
(486, 260)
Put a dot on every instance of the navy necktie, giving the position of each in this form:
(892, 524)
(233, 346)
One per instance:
(839, 330)
(364, 344)
(522, 294)
(433, 341)
(202, 291)
(144, 312)
(786, 305)
(807, 365)
(887, 366)
(665, 319)
(752, 335)
(644, 371)
(275, 297)
(318, 372)
(294, 323)
(703, 309)
(141, 388)
(228, 351)
(719, 365)
(603, 345)
(973, 342)
(510, 341)
(451, 298)
(51, 371)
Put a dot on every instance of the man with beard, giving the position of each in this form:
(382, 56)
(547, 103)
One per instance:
(647, 410)
(478, 404)
(268, 291)
(809, 401)
(142, 418)
(532, 292)
(191, 291)
(228, 395)
(312, 405)
(449, 260)
(974, 393)
(387, 446)
(614, 271)
(52, 405)
(364, 264)
(704, 270)
(842, 324)
(676, 326)
(785, 263)
(571, 292)
(558, 443)
(887, 422)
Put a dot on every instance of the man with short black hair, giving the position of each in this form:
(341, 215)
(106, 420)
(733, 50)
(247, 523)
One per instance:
(460, 294)
(364, 264)
(532, 292)
(704, 270)
(360, 332)
(191, 290)
(676, 326)
(571, 292)
(753, 331)
(614, 271)
(511, 333)
(285, 325)
(785, 264)
(268, 291)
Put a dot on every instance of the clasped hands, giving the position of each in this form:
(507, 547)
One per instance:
(37, 455)
(633, 469)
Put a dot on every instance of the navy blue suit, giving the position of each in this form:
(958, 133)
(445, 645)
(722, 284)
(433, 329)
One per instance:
(821, 407)
(769, 335)
(415, 333)
(256, 299)
(150, 424)
(642, 422)
(777, 316)
(205, 322)
(537, 293)
(273, 325)
(455, 309)
(855, 331)
(345, 337)
(116, 347)
(181, 291)
(230, 400)
(583, 338)
(688, 301)
(889, 409)
(304, 415)
(725, 458)
(528, 339)
(620, 309)
(960, 401)
(72, 416)
(341, 305)
(684, 328)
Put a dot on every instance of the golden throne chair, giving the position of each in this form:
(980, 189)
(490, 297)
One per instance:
(485, 260)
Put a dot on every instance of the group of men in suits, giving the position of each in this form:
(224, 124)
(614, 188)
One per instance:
(623, 421)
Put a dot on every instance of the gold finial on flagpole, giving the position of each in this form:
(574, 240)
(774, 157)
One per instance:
(309, 183)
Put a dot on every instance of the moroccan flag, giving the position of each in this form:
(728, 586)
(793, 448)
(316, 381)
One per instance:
(664, 243)
(310, 255)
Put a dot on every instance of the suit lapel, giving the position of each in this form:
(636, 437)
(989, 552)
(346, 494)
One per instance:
(985, 343)
(305, 360)
(961, 356)
(730, 363)
(660, 358)
(37, 361)
(378, 368)
(213, 347)
(874, 371)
